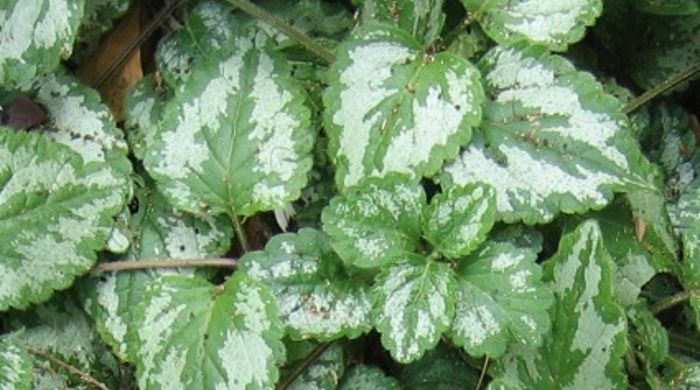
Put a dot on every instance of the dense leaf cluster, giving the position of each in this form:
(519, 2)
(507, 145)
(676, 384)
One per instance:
(414, 193)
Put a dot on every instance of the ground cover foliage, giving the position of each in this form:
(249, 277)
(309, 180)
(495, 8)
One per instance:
(365, 194)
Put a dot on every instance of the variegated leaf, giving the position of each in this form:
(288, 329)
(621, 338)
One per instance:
(35, 36)
(236, 137)
(362, 377)
(554, 24)
(588, 341)
(15, 364)
(324, 372)
(376, 221)
(193, 334)
(457, 221)
(501, 300)
(156, 231)
(57, 211)
(423, 19)
(552, 141)
(415, 303)
(393, 108)
(317, 298)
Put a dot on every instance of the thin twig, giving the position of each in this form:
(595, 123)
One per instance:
(661, 88)
(83, 375)
(673, 300)
(299, 369)
(284, 27)
(164, 263)
(483, 374)
(157, 19)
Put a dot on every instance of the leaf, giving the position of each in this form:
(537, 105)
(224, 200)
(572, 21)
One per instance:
(553, 24)
(60, 328)
(423, 19)
(316, 18)
(209, 27)
(415, 303)
(685, 377)
(587, 343)
(317, 297)
(457, 221)
(363, 377)
(144, 108)
(99, 18)
(235, 139)
(393, 108)
(324, 372)
(551, 140)
(500, 301)
(649, 337)
(36, 36)
(156, 231)
(376, 221)
(671, 47)
(440, 368)
(193, 334)
(15, 364)
(56, 213)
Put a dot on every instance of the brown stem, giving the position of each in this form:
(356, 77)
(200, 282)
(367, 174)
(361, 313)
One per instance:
(164, 263)
(299, 369)
(54, 360)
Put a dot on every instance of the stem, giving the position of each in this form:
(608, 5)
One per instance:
(688, 345)
(662, 87)
(484, 368)
(240, 233)
(668, 302)
(284, 27)
(299, 369)
(83, 375)
(164, 263)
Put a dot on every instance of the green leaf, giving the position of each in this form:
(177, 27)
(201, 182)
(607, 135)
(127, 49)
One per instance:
(685, 377)
(235, 138)
(415, 303)
(156, 231)
(15, 364)
(649, 337)
(60, 328)
(376, 221)
(144, 108)
(671, 47)
(56, 213)
(667, 7)
(317, 298)
(35, 36)
(324, 373)
(363, 377)
(587, 343)
(100, 17)
(457, 221)
(193, 334)
(553, 24)
(441, 368)
(315, 18)
(551, 140)
(500, 301)
(423, 19)
(393, 108)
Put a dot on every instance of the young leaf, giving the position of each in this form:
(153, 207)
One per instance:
(587, 343)
(423, 19)
(376, 221)
(551, 140)
(393, 108)
(15, 364)
(56, 213)
(501, 300)
(457, 221)
(35, 36)
(235, 138)
(363, 377)
(157, 231)
(317, 298)
(553, 24)
(415, 303)
(193, 334)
